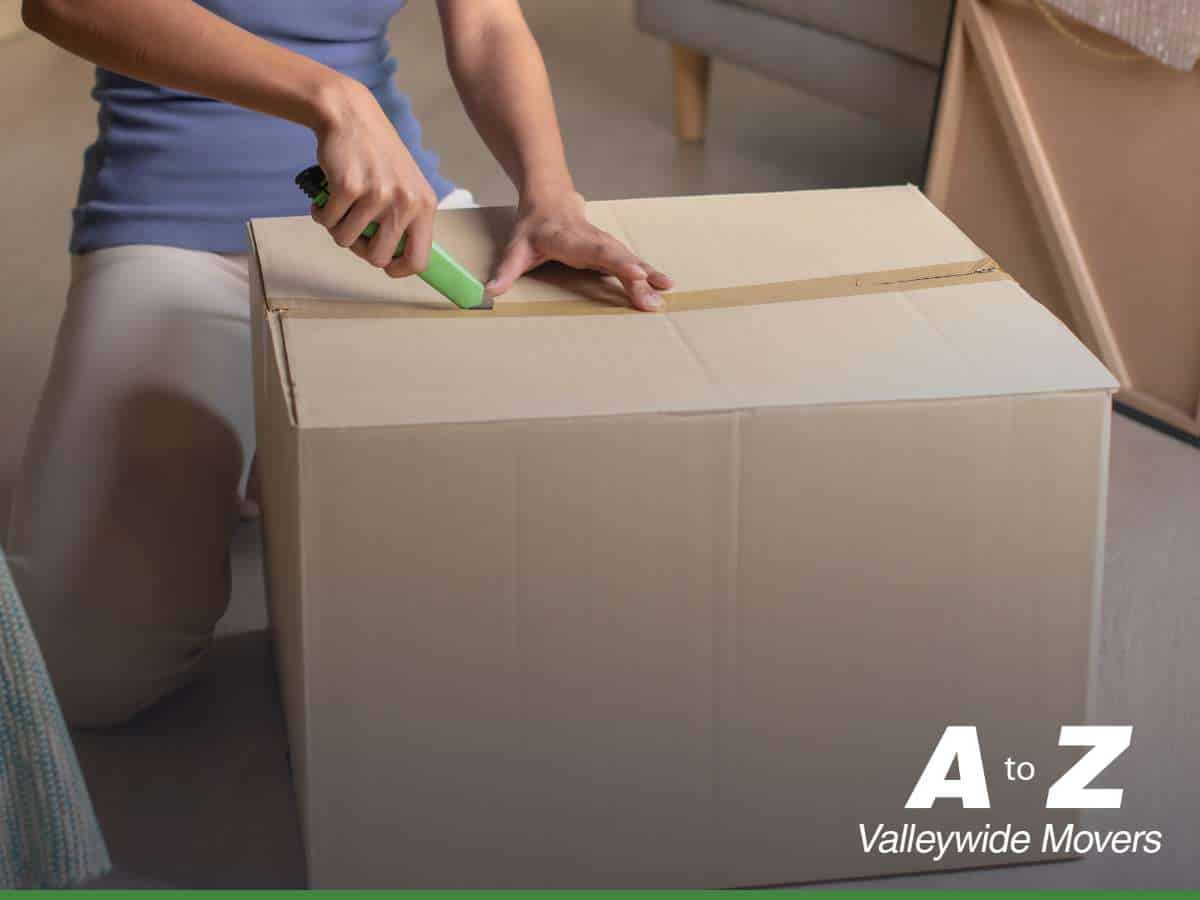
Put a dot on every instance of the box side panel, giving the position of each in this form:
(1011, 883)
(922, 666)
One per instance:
(279, 464)
(963, 340)
(1104, 454)
(511, 651)
(903, 568)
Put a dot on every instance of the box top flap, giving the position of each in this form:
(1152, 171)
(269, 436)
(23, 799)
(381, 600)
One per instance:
(352, 367)
(704, 243)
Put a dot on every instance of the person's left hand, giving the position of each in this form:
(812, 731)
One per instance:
(560, 231)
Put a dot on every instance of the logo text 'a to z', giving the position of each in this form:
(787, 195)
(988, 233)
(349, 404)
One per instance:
(959, 745)
(958, 748)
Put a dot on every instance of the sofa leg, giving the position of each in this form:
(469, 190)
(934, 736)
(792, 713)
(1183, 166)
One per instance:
(691, 92)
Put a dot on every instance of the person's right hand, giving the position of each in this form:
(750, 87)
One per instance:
(373, 178)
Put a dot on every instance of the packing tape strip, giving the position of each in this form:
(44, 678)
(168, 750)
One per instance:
(882, 282)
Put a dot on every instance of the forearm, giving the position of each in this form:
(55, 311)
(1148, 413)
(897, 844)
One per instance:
(501, 77)
(180, 45)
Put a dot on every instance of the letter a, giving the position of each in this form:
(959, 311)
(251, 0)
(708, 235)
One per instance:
(959, 742)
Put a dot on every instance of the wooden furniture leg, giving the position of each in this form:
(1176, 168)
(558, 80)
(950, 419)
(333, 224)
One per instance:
(691, 92)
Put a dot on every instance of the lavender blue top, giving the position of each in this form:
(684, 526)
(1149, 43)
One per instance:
(173, 168)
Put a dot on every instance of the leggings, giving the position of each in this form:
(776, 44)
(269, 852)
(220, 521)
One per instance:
(128, 494)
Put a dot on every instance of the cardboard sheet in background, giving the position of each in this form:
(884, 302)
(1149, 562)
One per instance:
(675, 599)
(1121, 141)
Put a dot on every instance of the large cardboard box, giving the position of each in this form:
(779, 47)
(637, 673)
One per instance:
(570, 595)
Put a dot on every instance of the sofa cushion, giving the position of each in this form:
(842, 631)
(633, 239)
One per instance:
(845, 72)
(912, 28)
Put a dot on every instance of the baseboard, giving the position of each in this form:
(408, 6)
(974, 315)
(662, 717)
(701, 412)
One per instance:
(1157, 424)
(10, 19)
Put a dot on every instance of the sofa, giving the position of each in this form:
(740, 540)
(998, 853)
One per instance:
(878, 57)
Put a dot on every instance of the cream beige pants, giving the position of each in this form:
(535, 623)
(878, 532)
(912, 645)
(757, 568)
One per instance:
(128, 495)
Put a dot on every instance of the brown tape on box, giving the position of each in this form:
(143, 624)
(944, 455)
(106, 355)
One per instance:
(599, 296)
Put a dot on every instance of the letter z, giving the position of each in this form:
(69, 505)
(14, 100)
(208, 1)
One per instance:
(1071, 791)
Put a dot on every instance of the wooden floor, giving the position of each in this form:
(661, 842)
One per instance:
(196, 794)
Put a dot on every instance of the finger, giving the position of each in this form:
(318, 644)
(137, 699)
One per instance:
(367, 209)
(341, 198)
(658, 280)
(617, 259)
(519, 258)
(607, 254)
(381, 248)
(418, 239)
(602, 253)
(359, 248)
(642, 295)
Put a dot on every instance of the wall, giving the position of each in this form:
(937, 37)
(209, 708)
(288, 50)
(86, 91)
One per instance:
(10, 18)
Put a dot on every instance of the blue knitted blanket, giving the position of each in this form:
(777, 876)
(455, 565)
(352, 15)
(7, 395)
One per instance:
(49, 837)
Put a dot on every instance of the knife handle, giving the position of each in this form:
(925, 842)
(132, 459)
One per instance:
(443, 273)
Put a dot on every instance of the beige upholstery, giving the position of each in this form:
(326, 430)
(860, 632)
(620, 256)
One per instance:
(877, 57)
(912, 28)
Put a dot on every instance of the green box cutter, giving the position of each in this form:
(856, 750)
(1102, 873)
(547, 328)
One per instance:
(444, 273)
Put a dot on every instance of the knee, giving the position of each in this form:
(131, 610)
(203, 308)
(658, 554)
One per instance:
(100, 709)
(111, 683)
(125, 578)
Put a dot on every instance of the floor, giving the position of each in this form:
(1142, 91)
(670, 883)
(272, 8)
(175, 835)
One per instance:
(196, 793)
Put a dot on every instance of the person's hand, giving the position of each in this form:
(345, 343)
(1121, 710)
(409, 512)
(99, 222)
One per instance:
(559, 231)
(373, 178)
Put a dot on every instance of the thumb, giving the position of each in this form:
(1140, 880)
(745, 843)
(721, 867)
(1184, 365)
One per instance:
(518, 259)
